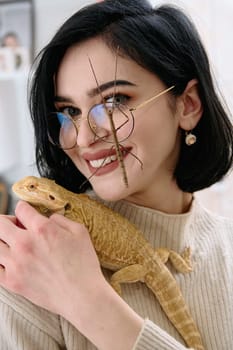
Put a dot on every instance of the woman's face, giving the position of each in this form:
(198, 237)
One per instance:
(150, 152)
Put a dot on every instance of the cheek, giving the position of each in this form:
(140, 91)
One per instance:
(155, 133)
(69, 153)
(75, 158)
(123, 121)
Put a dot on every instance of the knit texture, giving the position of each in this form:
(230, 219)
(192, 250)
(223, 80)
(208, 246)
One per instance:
(207, 290)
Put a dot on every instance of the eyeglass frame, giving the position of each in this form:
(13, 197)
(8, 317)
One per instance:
(131, 109)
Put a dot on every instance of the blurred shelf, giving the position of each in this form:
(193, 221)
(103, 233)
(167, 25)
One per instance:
(3, 198)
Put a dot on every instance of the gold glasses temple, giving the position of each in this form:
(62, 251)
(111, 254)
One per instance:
(152, 98)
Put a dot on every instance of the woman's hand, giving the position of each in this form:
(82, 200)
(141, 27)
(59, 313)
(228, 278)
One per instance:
(44, 255)
(52, 262)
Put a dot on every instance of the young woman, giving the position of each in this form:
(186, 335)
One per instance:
(148, 69)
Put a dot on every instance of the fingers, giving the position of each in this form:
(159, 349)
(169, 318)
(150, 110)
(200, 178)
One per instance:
(13, 219)
(32, 220)
(7, 225)
(28, 217)
(11, 227)
(64, 222)
(9, 217)
(68, 226)
(2, 274)
(4, 252)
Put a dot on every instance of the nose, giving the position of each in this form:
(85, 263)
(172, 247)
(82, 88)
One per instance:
(89, 132)
(85, 136)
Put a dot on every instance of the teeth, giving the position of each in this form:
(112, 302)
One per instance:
(103, 161)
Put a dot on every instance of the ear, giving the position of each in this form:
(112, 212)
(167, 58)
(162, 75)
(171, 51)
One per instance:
(189, 106)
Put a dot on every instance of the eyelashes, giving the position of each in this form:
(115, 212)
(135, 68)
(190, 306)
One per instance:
(74, 112)
(70, 111)
(118, 98)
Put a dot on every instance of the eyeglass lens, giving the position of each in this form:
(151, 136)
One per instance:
(63, 130)
(100, 117)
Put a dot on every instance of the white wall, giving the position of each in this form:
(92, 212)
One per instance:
(213, 19)
(50, 14)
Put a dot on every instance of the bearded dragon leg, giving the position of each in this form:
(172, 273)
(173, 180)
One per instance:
(181, 262)
(129, 274)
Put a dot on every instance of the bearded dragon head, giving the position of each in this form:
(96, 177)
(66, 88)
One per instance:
(42, 193)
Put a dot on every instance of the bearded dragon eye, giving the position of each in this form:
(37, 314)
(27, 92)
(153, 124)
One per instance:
(51, 197)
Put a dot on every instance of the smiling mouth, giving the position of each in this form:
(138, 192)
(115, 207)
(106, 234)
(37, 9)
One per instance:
(107, 162)
(103, 161)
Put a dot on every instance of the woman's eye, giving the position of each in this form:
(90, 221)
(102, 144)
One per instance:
(70, 111)
(118, 99)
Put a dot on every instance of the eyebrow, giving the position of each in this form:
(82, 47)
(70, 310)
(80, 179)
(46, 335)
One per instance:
(98, 90)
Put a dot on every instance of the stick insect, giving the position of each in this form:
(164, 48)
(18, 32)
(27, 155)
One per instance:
(119, 147)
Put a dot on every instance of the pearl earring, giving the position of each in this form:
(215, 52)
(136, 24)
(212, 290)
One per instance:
(190, 138)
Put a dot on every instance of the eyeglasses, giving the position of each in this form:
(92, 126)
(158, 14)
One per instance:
(102, 118)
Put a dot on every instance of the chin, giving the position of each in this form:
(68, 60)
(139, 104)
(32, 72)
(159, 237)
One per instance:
(111, 192)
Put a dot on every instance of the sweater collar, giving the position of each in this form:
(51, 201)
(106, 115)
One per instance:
(172, 231)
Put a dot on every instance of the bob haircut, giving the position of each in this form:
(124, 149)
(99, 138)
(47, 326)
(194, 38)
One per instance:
(164, 41)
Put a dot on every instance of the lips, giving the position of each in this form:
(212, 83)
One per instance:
(103, 161)
(97, 163)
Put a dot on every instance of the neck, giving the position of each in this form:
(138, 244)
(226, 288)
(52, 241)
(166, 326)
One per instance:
(168, 199)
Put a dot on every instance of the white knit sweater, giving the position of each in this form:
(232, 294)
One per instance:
(208, 290)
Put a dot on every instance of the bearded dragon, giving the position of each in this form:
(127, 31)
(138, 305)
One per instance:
(120, 247)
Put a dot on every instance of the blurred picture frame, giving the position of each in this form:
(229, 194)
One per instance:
(16, 32)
